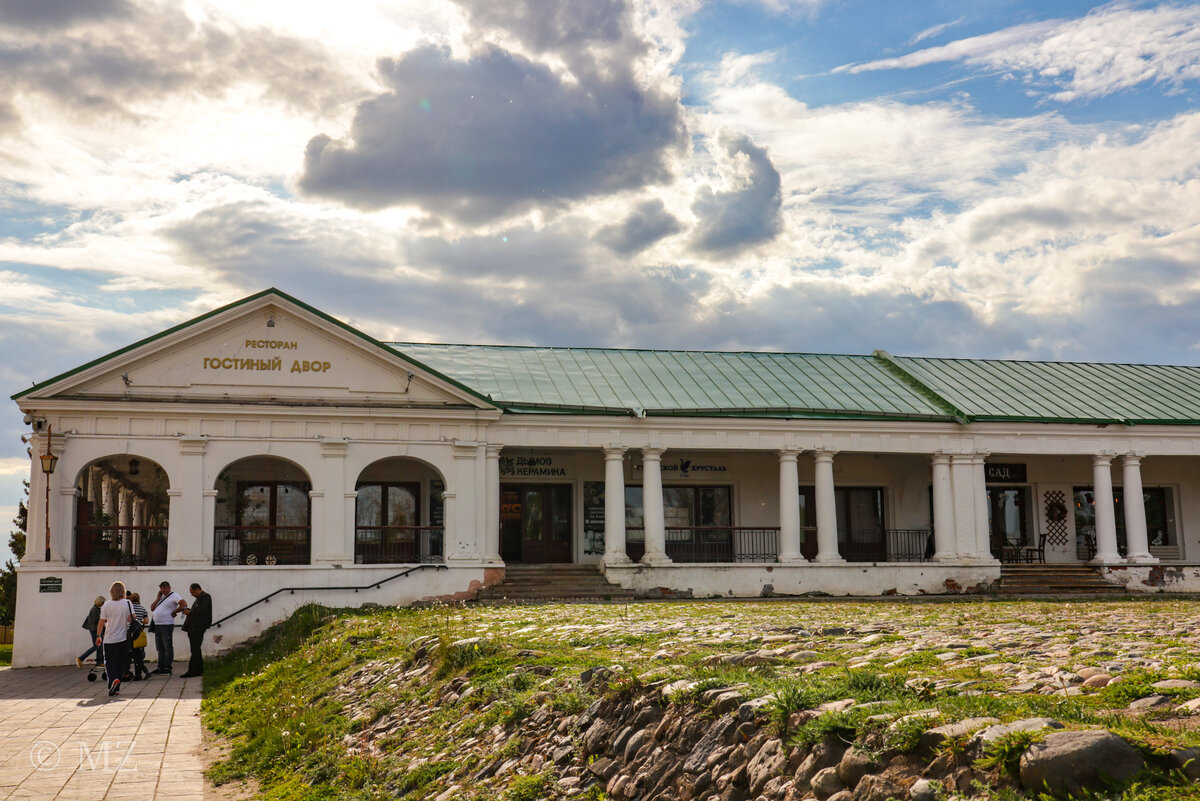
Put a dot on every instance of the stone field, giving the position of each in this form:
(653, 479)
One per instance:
(768, 700)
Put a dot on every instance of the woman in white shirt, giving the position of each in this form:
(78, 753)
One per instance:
(113, 634)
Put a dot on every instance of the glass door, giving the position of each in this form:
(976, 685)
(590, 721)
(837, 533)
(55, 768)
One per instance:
(535, 523)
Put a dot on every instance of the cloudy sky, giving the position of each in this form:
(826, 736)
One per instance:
(1001, 178)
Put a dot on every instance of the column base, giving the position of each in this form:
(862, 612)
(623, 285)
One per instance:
(792, 559)
(1142, 559)
(656, 560)
(615, 560)
(946, 557)
(332, 559)
(826, 559)
(1107, 560)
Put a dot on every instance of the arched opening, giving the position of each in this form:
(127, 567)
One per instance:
(263, 513)
(398, 513)
(121, 512)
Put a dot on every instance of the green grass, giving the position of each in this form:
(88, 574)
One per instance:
(283, 706)
(5, 654)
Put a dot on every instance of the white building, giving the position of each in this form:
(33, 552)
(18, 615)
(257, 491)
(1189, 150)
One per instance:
(266, 449)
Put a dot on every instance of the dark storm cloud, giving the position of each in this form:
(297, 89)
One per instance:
(154, 50)
(648, 223)
(492, 136)
(59, 13)
(743, 217)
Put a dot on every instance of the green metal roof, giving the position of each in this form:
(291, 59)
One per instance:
(794, 385)
(990, 389)
(658, 382)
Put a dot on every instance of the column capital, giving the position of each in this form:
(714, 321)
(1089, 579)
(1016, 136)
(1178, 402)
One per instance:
(789, 454)
(192, 446)
(209, 493)
(465, 450)
(493, 451)
(653, 452)
(939, 457)
(333, 449)
(824, 454)
(614, 452)
(1133, 457)
(1102, 460)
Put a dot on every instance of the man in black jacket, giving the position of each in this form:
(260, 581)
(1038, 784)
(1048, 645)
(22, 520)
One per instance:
(199, 618)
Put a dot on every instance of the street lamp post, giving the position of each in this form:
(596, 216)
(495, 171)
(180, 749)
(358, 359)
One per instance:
(49, 462)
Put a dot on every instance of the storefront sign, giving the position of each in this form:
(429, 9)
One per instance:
(268, 363)
(685, 468)
(50, 584)
(531, 466)
(1001, 473)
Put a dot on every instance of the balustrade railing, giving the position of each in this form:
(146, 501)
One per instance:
(261, 545)
(711, 543)
(385, 545)
(888, 545)
(98, 546)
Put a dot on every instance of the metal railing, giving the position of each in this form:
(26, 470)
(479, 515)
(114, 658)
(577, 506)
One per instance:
(99, 546)
(293, 590)
(261, 545)
(712, 543)
(888, 545)
(385, 545)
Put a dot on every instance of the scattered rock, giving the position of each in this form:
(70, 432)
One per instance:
(924, 790)
(1149, 702)
(993, 733)
(855, 764)
(825, 783)
(877, 788)
(934, 737)
(1072, 761)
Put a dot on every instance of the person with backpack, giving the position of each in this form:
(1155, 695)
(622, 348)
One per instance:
(90, 623)
(139, 645)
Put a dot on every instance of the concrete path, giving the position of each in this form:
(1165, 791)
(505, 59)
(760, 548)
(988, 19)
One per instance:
(62, 737)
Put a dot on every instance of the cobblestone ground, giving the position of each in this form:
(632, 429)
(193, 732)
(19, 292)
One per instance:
(62, 737)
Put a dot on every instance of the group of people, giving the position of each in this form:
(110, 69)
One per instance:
(109, 625)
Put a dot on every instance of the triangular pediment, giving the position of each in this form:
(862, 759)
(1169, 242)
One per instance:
(268, 347)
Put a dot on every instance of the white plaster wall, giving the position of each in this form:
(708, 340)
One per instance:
(49, 632)
(1155, 578)
(749, 581)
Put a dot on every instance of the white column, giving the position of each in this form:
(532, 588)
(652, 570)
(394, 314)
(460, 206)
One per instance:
(461, 536)
(184, 529)
(945, 548)
(110, 505)
(1106, 518)
(491, 540)
(652, 504)
(789, 507)
(330, 543)
(826, 499)
(962, 483)
(1137, 541)
(983, 534)
(208, 498)
(614, 506)
(62, 524)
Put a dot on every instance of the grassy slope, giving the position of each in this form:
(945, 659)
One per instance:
(282, 704)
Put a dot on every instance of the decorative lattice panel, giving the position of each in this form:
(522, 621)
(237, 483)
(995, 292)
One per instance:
(1056, 518)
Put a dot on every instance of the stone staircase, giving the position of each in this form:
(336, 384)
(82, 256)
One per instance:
(1054, 579)
(545, 583)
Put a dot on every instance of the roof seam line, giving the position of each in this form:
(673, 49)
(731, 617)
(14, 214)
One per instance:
(894, 367)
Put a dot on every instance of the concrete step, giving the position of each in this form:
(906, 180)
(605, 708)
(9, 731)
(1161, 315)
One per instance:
(1054, 579)
(542, 583)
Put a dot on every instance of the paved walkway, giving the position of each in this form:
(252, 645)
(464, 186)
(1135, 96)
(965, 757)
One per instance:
(62, 737)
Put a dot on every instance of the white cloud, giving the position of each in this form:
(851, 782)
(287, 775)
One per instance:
(12, 466)
(1114, 48)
